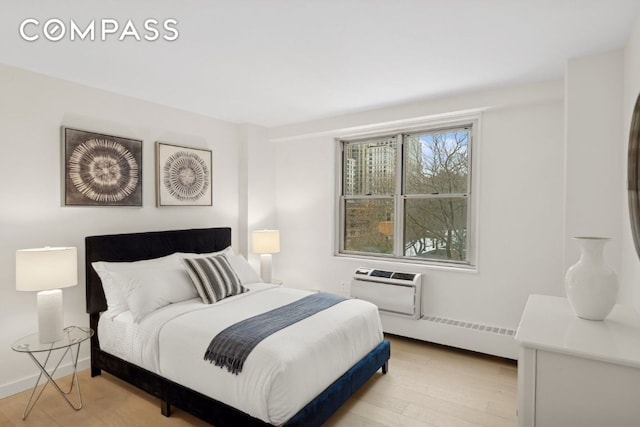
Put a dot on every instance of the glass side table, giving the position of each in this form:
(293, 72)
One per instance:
(73, 336)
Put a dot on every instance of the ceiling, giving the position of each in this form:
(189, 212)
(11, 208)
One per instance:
(277, 62)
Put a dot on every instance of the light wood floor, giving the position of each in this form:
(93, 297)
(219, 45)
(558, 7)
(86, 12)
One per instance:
(427, 385)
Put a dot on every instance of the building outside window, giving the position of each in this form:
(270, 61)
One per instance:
(407, 195)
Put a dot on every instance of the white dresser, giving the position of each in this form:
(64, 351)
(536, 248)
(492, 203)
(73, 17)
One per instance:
(576, 372)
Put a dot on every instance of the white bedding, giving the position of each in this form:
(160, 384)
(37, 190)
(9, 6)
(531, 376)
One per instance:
(282, 374)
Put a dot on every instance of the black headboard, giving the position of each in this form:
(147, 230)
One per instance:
(139, 246)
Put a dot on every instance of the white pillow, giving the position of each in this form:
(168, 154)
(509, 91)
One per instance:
(149, 289)
(226, 251)
(243, 269)
(116, 297)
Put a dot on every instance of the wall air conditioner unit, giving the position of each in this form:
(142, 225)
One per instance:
(393, 292)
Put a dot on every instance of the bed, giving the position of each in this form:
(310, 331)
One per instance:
(182, 388)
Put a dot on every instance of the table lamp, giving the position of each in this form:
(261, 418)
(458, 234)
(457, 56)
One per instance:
(47, 270)
(265, 243)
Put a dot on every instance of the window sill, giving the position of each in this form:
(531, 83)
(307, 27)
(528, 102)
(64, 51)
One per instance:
(425, 265)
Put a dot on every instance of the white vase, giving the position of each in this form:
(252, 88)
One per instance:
(591, 285)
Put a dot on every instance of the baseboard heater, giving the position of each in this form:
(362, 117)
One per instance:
(472, 336)
(394, 293)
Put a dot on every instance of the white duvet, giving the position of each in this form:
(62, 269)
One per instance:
(280, 376)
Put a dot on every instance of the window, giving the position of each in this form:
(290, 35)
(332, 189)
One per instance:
(408, 195)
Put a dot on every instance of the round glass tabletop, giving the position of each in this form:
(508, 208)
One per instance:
(71, 335)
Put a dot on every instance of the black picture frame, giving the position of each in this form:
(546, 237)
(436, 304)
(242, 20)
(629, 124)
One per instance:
(184, 175)
(100, 169)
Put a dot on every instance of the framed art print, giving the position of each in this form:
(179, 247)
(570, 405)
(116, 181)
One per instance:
(101, 170)
(183, 176)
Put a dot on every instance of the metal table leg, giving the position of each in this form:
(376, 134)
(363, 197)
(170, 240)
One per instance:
(49, 376)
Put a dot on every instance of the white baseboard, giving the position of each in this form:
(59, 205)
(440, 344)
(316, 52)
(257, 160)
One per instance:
(27, 383)
(486, 339)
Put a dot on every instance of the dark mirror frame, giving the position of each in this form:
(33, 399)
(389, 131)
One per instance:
(633, 175)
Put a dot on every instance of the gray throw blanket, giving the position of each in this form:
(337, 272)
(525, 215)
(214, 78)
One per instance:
(231, 347)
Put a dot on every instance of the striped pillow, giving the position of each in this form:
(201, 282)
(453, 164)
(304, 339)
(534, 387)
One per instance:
(214, 278)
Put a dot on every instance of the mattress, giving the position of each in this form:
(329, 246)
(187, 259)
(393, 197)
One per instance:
(282, 374)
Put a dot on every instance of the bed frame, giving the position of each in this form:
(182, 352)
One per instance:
(140, 246)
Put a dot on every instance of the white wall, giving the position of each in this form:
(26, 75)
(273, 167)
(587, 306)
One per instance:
(594, 168)
(630, 269)
(520, 204)
(258, 174)
(32, 110)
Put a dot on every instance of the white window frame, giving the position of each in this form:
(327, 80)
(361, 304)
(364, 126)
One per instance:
(471, 120)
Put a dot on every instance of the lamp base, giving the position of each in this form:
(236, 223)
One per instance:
(50, 316)
(265, 267)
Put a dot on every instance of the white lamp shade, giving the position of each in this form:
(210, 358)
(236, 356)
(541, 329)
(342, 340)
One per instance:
(266, 241)
(46, 268)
